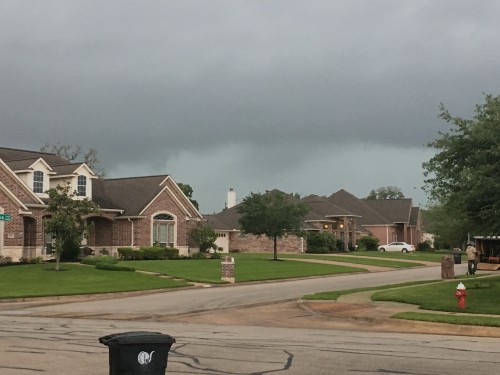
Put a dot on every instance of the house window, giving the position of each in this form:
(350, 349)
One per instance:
(82, 186)
(163, 230)
(38, 182)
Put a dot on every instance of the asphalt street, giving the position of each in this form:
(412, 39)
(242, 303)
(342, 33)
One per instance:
(70, 346)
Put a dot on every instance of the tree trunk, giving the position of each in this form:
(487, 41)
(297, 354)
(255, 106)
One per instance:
(275, 240)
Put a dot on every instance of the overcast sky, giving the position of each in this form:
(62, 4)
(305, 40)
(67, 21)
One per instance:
(307, 97)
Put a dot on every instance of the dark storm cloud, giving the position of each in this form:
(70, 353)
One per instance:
(143, 82)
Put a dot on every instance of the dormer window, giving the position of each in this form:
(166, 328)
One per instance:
(38, 182)
(82, 186)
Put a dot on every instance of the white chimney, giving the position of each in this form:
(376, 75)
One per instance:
(231, 198)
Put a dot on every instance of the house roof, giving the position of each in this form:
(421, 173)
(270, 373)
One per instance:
(131, 194)
(368, 215)
(11, 154)
(323, 207)
(395, 210)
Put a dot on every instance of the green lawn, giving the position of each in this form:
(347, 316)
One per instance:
(357, 260)
(483, 295)
(426, 256)
(37, 280)
(248, 267)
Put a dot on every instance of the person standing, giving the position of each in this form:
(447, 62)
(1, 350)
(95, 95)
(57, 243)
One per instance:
(471, 259)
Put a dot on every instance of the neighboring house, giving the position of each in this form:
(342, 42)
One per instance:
(343, 214)
(386, 219)
(135, 211)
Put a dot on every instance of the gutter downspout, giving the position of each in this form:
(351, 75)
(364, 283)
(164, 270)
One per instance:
(131, 232)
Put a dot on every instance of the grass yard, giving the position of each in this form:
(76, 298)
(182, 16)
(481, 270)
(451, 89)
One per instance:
(426, 256)
(483, 295)
(40, 280)
(248, 267)
(382, 262)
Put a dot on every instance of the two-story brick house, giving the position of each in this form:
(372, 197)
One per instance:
(135, 211)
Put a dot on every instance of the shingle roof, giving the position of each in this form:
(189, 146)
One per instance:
(17, 165)
(368, 216)
(11, 154)
(324, 207)
(130, 194)
(395, 210)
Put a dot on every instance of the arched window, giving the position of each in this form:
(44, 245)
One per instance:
(38, 182)
(82, 186)
(163, 230)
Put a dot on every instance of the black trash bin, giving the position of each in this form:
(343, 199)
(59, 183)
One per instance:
(457, 256)
(138, 353)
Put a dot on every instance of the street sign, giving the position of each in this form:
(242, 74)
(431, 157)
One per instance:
(5, 217)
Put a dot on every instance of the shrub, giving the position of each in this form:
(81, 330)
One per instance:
(321, 240)
(104, 251)
(70, 251)
(5, 260)
(99, 259)
(198, 256)
(424, 246)
(125, 253)
(113, 267)
(318, 250)
(369, 243)
(171, 253)
(36, 260)
(153, 253)
(138, 254)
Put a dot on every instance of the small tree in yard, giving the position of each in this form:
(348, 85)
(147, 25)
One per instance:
(67, 222)
(205, 237)
(274, 215)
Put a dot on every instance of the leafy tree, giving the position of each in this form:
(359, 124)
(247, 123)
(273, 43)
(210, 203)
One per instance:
(72, 153)
(188, 192)
(67, 223)
(205, 237)
(274, 215)
(386, 192)
(449, 228)
(463, 178)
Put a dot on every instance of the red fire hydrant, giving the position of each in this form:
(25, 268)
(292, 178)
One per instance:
(461, 293)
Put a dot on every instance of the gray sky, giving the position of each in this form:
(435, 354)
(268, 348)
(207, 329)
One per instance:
(304, 96)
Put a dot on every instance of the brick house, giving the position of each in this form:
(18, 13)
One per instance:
(135, 211)
(348, 217)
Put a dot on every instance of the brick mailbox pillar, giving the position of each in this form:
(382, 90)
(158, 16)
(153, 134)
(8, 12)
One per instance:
(447, 267)
(227, 269)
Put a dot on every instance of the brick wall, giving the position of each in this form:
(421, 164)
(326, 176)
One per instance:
(251, 243)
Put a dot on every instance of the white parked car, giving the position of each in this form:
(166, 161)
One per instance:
(397, 246)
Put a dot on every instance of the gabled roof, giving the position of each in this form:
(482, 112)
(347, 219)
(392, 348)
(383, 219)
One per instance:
(11, 154)
(129, 194)
(324, 207)
(368, 216)
(227, 219)
(415, 213)
(395, 210)
(133, 194)
(71, 169)
(26, 164)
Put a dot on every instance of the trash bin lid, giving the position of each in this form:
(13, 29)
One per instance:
(137, 337)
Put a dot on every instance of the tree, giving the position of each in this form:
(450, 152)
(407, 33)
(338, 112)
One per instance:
(386, 192)
(464, 176)
(67, 223)
(188, 192)
(449, 228)
(274, 215)
(205, 237)
(72, 153)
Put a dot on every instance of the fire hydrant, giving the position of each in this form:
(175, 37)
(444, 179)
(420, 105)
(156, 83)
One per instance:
(461, 293)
